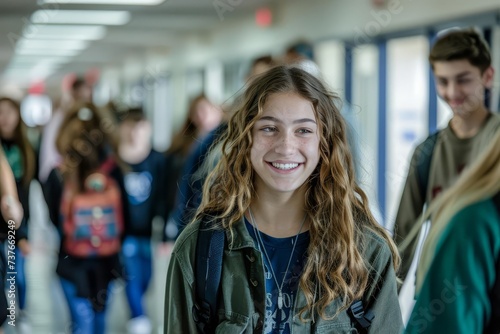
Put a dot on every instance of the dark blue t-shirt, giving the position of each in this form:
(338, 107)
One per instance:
(143, 184)
(279, 250)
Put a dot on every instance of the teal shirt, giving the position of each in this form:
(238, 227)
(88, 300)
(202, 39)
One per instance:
(455, 294)
(14, 156)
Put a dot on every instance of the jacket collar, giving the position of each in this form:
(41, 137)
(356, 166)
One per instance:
(240, 236)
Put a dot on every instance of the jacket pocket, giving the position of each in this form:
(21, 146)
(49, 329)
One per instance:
(231, 322)
(337, 328)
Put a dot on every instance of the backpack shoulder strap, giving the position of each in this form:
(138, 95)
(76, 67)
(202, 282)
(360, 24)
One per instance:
(426, 150)
(496, 201)
(107, 166)
(362, 319)
(208, 270)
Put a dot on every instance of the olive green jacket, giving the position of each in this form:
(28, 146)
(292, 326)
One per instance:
(242, 305)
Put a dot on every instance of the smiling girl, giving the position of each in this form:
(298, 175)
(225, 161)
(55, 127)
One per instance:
(302, 245)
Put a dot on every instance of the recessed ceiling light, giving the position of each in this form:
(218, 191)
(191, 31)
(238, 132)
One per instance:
(105, 2)
(105, 17)
(73, 32)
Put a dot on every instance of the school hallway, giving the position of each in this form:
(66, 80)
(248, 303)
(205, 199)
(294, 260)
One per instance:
(45, 303)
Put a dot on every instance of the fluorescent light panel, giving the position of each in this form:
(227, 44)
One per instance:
(28, 44)
(105, 2)
(105, 17)
(34, 59)
(47, 52)
(41, 62)
(31, 71)
(73, 32)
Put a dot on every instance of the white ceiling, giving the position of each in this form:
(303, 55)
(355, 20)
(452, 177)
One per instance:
(158, 27)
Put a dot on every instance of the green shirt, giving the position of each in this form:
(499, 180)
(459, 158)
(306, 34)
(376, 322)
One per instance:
(242, 305)
(455, 294)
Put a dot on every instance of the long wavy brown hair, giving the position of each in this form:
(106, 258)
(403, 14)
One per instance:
(22, 141)
(184, 139)
(336, 207)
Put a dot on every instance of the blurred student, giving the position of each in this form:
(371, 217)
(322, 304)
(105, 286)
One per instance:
(87, 202)
(260, 65)
(301, 245)
(10, 206)
(21, 158)
(197, 165)
(183, 159)
(461, 64)
(80, 92)
(301, 54)
(458, 276)
(10, 220)
(145, 193)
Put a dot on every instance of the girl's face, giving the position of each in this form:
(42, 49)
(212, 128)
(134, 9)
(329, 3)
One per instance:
(285, 148)
(9, 119)
(206, 117)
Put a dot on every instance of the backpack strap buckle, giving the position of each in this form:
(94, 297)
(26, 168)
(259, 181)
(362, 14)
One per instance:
(201, 315)
(363, 318)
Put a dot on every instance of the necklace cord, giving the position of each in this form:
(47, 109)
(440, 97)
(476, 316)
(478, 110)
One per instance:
(261, 242)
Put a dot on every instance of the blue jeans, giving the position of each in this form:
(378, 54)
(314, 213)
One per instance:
(137, 259)
(20, 278)
(83, 317)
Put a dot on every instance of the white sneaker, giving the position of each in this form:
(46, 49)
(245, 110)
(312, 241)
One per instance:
(139, 325)
(24, 326)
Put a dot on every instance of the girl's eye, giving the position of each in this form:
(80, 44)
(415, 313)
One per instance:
(269, 129)
(304, 131)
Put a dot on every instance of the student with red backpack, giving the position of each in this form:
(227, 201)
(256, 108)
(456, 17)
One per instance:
(88, 204)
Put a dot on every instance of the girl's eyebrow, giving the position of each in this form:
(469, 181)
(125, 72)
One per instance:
(276, 120)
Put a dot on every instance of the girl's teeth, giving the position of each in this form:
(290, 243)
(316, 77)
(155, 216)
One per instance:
(284, 166)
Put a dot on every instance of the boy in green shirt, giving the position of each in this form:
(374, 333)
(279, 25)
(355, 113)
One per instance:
(461, 63)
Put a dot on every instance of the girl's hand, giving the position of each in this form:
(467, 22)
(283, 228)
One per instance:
(24, 247)
(11, 210)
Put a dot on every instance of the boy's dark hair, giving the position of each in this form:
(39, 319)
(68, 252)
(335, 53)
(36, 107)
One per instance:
(134, 115)
(302, 48)
(462, 44)
(78, 83)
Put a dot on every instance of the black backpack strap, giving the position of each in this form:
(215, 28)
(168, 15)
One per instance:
(494, 323)
(361, 319)
(426, 149)
(208, 270)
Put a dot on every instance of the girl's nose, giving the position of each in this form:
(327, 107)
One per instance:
(285, 145)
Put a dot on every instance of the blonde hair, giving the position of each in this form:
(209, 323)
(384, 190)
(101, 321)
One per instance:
(478, 182)
(336, 207)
